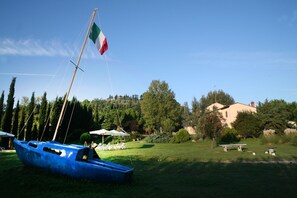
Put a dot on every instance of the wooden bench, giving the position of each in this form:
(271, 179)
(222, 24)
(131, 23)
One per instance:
(232, 146)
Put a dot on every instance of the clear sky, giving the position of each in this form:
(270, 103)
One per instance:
(247, 48)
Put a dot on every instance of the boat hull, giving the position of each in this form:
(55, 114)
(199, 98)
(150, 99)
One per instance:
(70, 160)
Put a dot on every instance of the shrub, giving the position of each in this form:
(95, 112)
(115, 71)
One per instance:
(271, 139)
(291, 139)
(229, 135)
(294, 140)
(134, 135)
(158, 138)
(197, 137)
(85, 137)
(181, 136)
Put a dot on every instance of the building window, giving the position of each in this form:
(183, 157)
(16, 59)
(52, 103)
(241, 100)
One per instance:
(226, 113)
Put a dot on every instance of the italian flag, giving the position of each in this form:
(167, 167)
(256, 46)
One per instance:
(97, 36)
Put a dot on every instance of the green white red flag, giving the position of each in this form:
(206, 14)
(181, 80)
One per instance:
(97, 36)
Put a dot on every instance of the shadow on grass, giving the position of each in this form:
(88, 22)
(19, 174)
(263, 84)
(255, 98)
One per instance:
(155, 177)
(145, 146)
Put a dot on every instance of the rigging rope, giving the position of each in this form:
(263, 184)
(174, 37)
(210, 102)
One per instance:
(109, 77)
(47, 122)
(27, 122)
(69, 122)
(111, 86)
(79, 87)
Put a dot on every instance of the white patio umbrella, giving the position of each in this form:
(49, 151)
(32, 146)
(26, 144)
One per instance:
(114, 132)
(98, 132)
(4, 134)
(123, 134)
(120, 134)
(101, 132)
(106, 132)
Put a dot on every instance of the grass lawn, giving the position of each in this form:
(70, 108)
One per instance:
(167, 170)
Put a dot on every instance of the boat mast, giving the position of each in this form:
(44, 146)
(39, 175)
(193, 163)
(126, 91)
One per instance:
(74, 74)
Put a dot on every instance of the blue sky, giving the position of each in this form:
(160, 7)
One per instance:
(248, 48)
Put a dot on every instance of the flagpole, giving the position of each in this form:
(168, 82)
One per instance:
(74, 74)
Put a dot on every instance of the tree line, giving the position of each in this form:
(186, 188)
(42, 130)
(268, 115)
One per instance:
(155, 111)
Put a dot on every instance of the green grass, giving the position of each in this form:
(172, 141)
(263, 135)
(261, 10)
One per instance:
(167, 170)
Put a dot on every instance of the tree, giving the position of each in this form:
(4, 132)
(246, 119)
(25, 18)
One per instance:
(129, 119)
(186, 115)
(292, 108)
(274, 114)
(46, 132)
(15, 124)
(55, 113)
(215, 96)
(196, 114)
(7, 118)
(21, 133)
(210, 125)
(247, 124)
(1, 106)
(160, 110)
(30, 119)
(42, 116)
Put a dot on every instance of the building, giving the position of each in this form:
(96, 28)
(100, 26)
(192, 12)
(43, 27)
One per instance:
(229, 112)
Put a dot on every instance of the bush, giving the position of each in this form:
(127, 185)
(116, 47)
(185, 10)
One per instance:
(158, 138)
(279, 139)
(85, 137)
(229, 135)
(181, 136)
(197, 137)
(134, 136)
(294, 140)
(271, 139)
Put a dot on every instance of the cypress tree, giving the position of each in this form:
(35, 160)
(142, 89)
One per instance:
(1, 106)
(30, 119)
(15, 123)
(21, 134)
(42, 116)
(7, 118)
(55, 113)
(46, 135)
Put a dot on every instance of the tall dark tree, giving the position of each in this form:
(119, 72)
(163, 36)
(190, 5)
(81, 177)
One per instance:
(46, 131)
(55, 113)
(160, 110)
(96, 116)
(15, 124)
(7, 118)
(1, 107)
(215, 96)
(30, 119)
(21, 134)
(42, 116)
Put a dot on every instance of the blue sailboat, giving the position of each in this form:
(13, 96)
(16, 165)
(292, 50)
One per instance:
(71, 160)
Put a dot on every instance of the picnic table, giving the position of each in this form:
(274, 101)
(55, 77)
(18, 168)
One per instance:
(232, 146)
